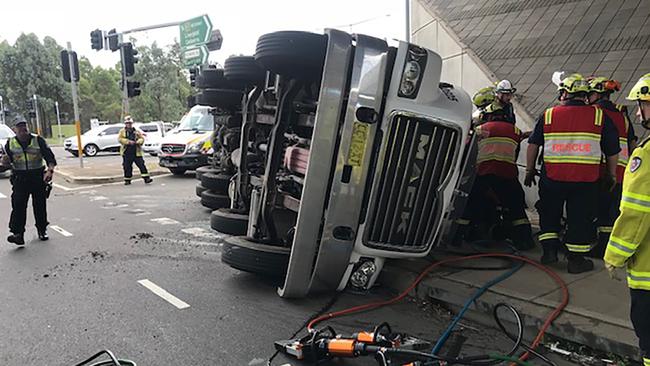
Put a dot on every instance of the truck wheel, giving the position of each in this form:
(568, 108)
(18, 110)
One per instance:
(222, 98)
(246, 255)
(91, 150)
(243, 70)
(178, 171)
(214, 201)
(200, 189)
(229, 221)
(205, 169)
(213, 79)
(217, 183)
(293, 54)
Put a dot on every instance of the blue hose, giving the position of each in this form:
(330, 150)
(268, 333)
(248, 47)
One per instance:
(443, 338)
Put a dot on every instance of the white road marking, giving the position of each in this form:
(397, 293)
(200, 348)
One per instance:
(165, 221)
(161, 292)
(60, 230)
(98, 198)
(201, 233)
(123, 205)
(143, 213)
(2, 196)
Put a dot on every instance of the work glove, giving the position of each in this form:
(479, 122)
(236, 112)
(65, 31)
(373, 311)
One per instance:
(529, 180)
(47, 177)
(613, 272)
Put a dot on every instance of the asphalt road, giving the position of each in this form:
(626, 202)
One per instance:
(79, 293)
(65, 158)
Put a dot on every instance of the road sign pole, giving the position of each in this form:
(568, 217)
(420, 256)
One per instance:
(77, 122)
(39, 129)
(58, 121)
(2, 109)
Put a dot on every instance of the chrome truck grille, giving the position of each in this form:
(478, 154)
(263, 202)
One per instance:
(172, 148)
(418, 156)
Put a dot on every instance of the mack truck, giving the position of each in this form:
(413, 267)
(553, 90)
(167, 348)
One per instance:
(352, 151)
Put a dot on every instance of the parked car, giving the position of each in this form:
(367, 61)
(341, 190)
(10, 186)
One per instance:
(154, 133)
(187, 146)
(5, 134)
(104, 138)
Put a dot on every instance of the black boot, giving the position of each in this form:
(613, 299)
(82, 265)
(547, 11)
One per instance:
(522, 238)
(579, 264)
(550, 249)
(16, 239)
(42, 235)
(127, 182)
(147, 180)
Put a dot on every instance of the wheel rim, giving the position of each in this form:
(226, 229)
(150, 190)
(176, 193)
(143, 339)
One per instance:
(91, 150)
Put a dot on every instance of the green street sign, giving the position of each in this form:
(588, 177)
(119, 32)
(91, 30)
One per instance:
(195, 31)
(196, 55)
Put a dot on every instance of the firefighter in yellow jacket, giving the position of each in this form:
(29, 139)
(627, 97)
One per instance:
(629, 243)
(131, 141)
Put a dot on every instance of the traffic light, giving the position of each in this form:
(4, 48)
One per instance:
(130, 58)
(133, 88)
(96, 39)
(65, 65)
(193, 72)
(113, 41)
(30, 108)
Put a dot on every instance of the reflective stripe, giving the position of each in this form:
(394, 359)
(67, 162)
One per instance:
(29, 158)
(523, 221)
(598, 120)
(624, 154)
(568, 147)
(623, 243)
(619, 249)
(144, 175)
(646, 361)
(587, 160)
(462, 222)
(578, 248)
(605, 229)
(571, 135)
(497, 148)
(635, 201)
(548, 236)
(548, 116)
(639, 280)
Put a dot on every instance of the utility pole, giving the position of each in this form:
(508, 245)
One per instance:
(125, 90)
(39, 130)
(58, 121)
(2, 109)
(77, 122)
(408, 21)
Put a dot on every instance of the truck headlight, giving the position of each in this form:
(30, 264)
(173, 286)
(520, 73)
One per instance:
(416, 60)
(362, 275)
(195, 147)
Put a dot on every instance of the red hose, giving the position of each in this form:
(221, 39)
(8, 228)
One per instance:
(549, 320)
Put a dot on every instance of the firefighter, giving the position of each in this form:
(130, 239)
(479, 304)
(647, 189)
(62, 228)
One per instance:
(504, 92)
(482, 99)
(574, 136)
(131, 141)
(29, 177)
(629, 243)
(497, 175)
(600, 90)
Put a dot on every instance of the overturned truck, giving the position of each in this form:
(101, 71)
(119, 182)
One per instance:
(350, 153)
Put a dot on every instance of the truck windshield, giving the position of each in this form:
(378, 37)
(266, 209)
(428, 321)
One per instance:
(197, 120)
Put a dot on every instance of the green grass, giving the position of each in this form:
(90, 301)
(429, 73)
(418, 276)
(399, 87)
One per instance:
(66, 131)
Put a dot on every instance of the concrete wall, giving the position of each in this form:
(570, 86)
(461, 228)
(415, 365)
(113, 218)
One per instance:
(460, 66)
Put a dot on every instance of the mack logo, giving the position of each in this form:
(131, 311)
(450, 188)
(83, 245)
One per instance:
(415, 176)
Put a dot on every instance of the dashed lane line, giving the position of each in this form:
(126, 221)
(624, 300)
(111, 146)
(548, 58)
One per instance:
(165, 221)
(61, 230)
(162, 293)
(201, 233)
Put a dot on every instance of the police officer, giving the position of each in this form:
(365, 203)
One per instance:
(131, 141)
(574, 136)
(600, 90)
(504, 92)
(29, 177)
(629, 243)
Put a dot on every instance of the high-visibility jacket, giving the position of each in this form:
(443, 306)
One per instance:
(622, 124)
(497, 149)
(124, 141)
(572, 136)
(629, 242)
(30, 158)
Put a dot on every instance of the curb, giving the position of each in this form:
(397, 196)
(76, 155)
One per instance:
(101, 179)
(588, 330)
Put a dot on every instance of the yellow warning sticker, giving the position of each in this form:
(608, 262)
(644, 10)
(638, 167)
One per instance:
(358, 145)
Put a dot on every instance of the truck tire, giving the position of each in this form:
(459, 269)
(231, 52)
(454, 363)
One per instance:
(222, 98)
(229, 221)
(214, 201)
(200, 189)
(178, 171)
(217, 183)
(243, 70)
(205, 169)
(294, 54)
(211, 78)
(246, 255)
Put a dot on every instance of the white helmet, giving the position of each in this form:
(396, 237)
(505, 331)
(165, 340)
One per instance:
(505, 87)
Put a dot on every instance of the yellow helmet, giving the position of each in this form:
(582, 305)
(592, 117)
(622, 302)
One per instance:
(603, 85)
(483, 97)
(574, 83)
(641, 90)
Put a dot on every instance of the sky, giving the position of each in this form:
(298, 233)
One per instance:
(241, 22)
